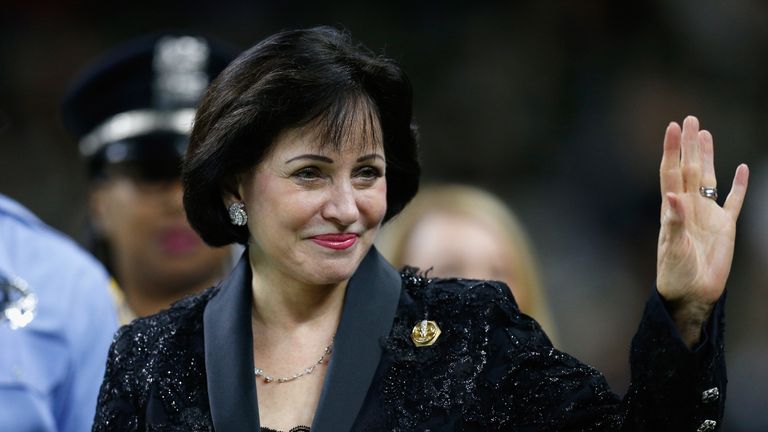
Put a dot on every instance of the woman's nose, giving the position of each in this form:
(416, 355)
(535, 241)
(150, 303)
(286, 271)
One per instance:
(341, 206)
(171, 195)
(177, 196)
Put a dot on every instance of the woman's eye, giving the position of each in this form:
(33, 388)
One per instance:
(308, 174)
(369, 173)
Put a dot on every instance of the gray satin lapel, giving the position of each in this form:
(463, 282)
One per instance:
(229, 353)
(371, 301)
(370, 304)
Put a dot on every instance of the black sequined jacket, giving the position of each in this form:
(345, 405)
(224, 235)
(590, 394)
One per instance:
(190, 368)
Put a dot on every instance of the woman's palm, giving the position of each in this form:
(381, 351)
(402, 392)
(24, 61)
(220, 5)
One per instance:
(696, 239)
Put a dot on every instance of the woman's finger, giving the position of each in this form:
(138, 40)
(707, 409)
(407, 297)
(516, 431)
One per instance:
(738, 190)
(669, 173)
(708, 177)
(676, 212)
(690, 160)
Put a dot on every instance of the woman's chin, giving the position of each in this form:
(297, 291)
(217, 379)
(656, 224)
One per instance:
(332, 276)
(340, 266)
(331, 272)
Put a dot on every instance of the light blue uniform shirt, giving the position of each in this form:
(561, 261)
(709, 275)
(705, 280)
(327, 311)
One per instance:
(51, 369)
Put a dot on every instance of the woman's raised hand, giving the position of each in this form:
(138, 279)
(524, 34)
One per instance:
(696, 239)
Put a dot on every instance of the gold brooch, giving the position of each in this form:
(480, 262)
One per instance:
(425, 333)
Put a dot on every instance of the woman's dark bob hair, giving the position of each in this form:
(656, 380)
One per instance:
(316, 77)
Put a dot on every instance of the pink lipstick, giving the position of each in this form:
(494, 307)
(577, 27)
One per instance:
(336, 241)
(179, 240)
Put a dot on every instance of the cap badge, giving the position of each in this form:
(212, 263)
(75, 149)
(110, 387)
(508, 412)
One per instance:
(179, 65)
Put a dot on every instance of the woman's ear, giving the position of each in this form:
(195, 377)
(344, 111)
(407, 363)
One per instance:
(231, 190)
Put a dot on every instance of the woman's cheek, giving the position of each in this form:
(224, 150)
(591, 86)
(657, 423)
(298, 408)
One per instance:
(379, 202)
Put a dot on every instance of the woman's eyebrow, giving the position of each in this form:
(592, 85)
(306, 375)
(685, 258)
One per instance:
(369, 157)
(311, 157)
(326, 159)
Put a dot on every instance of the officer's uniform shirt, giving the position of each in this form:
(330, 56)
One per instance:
(51, 369)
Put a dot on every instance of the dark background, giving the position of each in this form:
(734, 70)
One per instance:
(559, 107)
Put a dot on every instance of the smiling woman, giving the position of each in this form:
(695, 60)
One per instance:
(333, 202)
(301, 149)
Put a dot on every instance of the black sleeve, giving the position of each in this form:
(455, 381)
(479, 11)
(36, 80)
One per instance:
(118, 400)
(673, 388)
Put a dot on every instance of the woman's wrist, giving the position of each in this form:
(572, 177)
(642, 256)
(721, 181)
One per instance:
(689, 318)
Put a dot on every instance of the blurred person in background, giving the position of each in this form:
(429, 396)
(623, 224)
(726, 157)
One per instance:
(131, 114)
(464, 231)
(56, 324)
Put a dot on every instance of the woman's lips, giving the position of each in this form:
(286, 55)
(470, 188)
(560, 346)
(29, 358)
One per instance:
(335, 241)
(179, 240)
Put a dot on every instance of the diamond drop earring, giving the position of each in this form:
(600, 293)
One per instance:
(237, 214)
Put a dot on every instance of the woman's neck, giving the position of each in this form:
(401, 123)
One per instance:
(146, 297)
(283, 303)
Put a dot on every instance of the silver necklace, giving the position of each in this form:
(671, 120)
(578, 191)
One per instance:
(269, 378)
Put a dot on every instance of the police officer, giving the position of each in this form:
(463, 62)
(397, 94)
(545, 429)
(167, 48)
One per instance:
(56, 324)
(131, 113)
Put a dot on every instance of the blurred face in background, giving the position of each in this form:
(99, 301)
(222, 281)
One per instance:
(455, 245)
(140, 215)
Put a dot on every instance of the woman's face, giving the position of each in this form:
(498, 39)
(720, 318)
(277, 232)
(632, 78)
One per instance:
(314, 213)
(149, 236)
(459, 246)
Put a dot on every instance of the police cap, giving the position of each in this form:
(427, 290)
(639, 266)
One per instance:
(134, 107)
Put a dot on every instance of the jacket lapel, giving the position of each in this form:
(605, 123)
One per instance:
(229, 353)
(370, 303)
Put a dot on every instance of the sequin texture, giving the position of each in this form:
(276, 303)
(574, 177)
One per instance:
(492, 369)
(157, 363)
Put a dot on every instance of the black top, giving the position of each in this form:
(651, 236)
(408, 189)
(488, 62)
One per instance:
(491, 369)
(296, 429)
